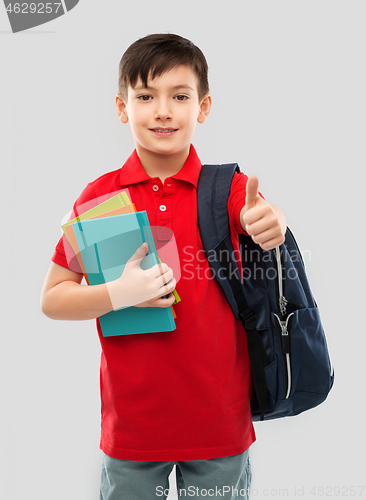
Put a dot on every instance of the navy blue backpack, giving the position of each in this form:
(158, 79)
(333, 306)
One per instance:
(289, 358)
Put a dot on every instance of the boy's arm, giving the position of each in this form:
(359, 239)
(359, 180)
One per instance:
(265, 223)
(63, 297)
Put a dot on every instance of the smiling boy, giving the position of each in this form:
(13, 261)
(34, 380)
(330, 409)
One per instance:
(180, 397)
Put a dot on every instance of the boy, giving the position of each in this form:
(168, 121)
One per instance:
(180, 397)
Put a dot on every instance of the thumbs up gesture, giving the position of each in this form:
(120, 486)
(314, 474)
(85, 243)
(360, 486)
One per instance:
(264, 222)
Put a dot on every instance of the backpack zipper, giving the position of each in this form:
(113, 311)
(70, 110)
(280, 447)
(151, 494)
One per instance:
(285, 342)
(282, 301)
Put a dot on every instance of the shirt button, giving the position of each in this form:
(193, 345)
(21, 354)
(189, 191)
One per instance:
(162, 208)
(155, 187)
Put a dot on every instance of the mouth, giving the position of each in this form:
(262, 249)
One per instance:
(164, 132)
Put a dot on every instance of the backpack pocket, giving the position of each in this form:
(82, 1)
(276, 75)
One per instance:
(312, 369)
(307, 368)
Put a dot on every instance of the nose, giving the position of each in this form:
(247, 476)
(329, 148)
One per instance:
(162, 111)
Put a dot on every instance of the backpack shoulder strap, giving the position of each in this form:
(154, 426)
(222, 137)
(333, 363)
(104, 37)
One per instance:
(213, 193)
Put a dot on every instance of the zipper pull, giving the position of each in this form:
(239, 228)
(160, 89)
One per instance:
(283, 330)
(285, 338)
(283, 304)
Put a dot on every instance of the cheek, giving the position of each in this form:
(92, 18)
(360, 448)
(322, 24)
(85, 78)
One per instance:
(188, 117)
(191, 120)
(137, 114)
(137, 121)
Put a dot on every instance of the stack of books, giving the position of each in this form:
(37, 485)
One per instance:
(103, 239)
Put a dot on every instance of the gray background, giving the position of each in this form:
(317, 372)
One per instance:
(288, 84)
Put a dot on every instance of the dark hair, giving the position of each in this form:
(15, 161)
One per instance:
(155, 54)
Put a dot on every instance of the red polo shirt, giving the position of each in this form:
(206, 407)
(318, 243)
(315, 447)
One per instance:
(185, 394)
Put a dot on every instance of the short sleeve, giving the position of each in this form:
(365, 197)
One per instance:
(237, 200)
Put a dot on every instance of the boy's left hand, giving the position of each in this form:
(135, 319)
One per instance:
(264, 222)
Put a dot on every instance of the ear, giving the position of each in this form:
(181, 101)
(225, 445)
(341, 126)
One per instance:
(121, 108)
(205, 107)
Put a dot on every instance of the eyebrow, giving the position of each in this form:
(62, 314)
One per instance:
(176, 87)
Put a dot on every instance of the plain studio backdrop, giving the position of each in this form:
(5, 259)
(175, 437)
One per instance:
(288, 84)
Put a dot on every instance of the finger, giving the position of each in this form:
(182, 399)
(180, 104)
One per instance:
(267, 235)
(139, 254)
(262, 212)
(167, 288)
(166, 301)
(251, 191)
(167, 277)
(273, 243)
(170, 286)
(258, 222)
(160, 283)
(159, 270)
(158, 302)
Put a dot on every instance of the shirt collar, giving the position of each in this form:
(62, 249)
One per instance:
(133, 172)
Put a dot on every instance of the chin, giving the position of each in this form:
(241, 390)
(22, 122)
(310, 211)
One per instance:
(169, 150)
(165, 149)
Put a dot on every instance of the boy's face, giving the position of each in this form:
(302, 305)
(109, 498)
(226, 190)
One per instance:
(163, 116)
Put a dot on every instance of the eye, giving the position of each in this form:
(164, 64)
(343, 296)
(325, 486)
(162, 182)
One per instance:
(144, 97)
(181, 97)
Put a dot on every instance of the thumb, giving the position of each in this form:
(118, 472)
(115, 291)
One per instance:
(252, 191)
(139, 254)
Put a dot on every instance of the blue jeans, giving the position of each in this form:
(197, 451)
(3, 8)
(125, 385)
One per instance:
(224, 477)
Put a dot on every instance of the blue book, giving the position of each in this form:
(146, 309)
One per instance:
(105, 245)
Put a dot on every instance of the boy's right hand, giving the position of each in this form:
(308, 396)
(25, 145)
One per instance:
(142, 288)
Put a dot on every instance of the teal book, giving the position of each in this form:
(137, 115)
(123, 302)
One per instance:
(105, 245)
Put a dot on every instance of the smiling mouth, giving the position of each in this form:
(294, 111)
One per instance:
(164, 130)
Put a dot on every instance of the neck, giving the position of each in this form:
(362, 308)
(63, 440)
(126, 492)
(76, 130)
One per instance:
(162, 166)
